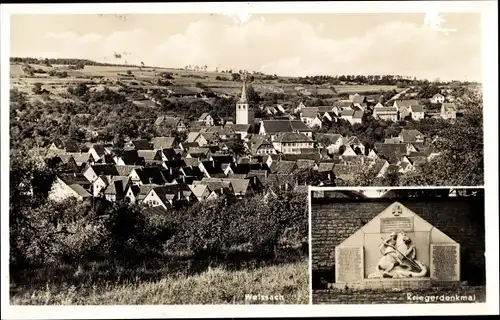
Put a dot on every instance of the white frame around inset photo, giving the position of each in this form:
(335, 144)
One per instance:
(357, 239)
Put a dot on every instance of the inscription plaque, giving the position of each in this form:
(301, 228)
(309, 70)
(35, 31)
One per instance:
(445, 262)
(349, 264)
(396, 224)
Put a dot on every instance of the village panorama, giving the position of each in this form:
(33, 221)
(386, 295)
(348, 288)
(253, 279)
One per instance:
(121, 171)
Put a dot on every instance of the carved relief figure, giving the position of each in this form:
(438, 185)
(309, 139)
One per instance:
(398, 258)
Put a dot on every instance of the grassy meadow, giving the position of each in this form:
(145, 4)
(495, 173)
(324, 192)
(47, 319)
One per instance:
(212, 286)
(145, 76)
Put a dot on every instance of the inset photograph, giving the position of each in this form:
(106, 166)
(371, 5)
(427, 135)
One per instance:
(397, 245)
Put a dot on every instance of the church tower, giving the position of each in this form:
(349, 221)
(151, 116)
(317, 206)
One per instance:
(243, 113)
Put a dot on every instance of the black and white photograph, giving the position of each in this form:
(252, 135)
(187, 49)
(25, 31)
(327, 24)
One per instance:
(398, 245)
(183, 154)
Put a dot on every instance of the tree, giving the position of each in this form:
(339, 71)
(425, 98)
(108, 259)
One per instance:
(80, 65)
(252, 96)
(37, 88)
(81, 89)
(236, 77)
(75, 133)
(129, 72)
(310, 177)
(237, 147)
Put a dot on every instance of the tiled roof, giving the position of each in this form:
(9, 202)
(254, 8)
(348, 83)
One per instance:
(410, 135)
(293, 137)
(80, 190)
(277, 126)
(309, 112)
(142, 144)
(329, 138)
(163, 142)
(417, 108)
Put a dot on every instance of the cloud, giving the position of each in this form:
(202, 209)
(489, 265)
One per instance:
(435, 20)
(291, 47)
(288, 47)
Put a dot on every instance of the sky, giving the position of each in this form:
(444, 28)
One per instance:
(448, 48)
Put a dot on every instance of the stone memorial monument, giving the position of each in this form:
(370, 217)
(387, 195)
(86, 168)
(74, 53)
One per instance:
(397, 248)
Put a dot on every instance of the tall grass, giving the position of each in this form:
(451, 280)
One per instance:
(213, 286)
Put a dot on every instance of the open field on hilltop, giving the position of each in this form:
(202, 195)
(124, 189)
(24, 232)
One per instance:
(364, 88)
(148, 77)
(214, 286)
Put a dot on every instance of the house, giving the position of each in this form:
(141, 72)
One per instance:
(355, 144)
(98, 151)
(346, 172)
(160, 143)
(116, 189)
(95, 171)
(242, 130)
(348, 151)
(403, 107)
(417, 112)
(65, 145)
(357, 99)
(273, 128)
(211, 169)
(299, 107)
(192, 171)
(169, 196)
(270, 110)
(149, 175)
(292, 142)
(342, 105)
(306, 164)
(411, 136)
(316, 122)
(308, 114)
(448, 111)
(329, 116)
(393, 152)
(380, 166)
(437, 98)
(205, 138)
(239, 187)
(284, 167)
(353, 116)
(198, 153)
(148, 157)
(200, 191)
(280, 108)
(372, 155)
(81, 158)
(140, 144)
(174, 123)
(405, 166)
(67, 162)
(167, 154)
(326, 166)
(259, 145)
(69, 186)
(386, 113)
(129, 157)
(136, 194)
(206, 119)
(331, 141)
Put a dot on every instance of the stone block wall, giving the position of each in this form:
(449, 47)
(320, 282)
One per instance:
(462, 219)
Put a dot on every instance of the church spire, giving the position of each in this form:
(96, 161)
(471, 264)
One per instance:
(243, 98)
